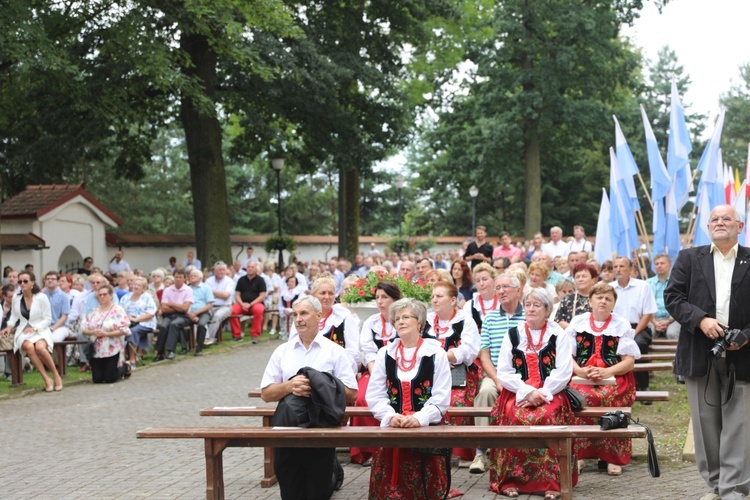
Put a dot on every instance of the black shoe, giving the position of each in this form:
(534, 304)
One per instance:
(236, 339)
(339, 477)
(198, 353)
(158, 358)
(183, 351)
(255, 341)
(647, 403)
(680, 379)
(170, 355)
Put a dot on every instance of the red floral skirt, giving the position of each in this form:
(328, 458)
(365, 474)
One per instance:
(612, 451)
(401, 478)
(530, 470)
(359, 455)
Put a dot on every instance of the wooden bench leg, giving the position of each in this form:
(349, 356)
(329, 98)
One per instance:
(215, 468)
(269, 475)
(563, 448)
(62, 365)
(16, 369)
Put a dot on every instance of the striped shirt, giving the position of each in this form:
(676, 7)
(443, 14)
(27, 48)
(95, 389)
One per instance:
(494, 327)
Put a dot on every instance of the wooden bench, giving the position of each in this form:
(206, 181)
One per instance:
(662, 341)
(658, 356)
(558, 438)
(651, 367)
(266, 413)
(662, 348)
(16, 367)
(61, 359)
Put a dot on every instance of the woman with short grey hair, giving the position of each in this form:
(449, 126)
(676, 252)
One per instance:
(418, 309)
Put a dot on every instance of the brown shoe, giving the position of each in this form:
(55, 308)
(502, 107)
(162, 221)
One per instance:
(84, 368)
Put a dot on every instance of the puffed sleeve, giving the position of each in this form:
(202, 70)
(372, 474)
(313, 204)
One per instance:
(468, 351)
(377, 399)
(627, 346)
(366, 342)
(434, 408)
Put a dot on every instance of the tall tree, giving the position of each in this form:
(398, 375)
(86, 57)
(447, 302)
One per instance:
(736, 133)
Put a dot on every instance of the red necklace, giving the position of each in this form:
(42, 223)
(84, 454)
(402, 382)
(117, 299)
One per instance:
(440, 330)
(599, 329)
(535, 347)
(322, 322)
(404, 364)
(384, 335)
(494, 305)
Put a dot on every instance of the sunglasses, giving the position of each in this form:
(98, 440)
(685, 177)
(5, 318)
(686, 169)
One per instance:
(25, 282)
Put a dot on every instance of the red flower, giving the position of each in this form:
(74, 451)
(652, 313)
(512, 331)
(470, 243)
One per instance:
(372, 290)
(394, 390)
(545, 360)
(361, 293)
(586, 344)
(519, 362)
(426, 383)
(611, 343)
(418, 391)
(578, 338)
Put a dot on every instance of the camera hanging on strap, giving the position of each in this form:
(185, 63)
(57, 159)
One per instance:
(620, 420)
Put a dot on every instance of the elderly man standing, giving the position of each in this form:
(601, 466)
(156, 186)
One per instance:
(203, 301)
(192, 260)
(494, 327)
(175, 304)
(580, 243)
(222, 287)
(407, 270)
(249, 296)
(306, 472)
(707, 292)
(556, 246)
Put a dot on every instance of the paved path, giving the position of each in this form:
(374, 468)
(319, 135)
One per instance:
(80, 443)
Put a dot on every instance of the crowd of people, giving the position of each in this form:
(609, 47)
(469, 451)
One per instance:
(510, 327)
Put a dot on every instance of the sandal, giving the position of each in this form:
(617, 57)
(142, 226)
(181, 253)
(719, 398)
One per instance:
(581, 465)
(84, 368)
(614, 470)
(510, 492)
(551, 495)
(128, 371)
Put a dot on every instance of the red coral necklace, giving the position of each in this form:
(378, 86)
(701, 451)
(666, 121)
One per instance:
(404, 364)
(599, 329)
(535, 347)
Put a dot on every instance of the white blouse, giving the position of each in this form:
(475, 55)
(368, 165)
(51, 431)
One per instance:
(468, 351)
(366, 343)
(434, 408)
(559, 377)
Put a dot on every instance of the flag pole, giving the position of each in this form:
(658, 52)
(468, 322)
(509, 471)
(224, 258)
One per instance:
(687, 192)
(645, 190)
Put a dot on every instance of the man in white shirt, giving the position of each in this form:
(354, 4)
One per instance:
(556, 246)
(637, 305)
(249, 257)
(300, 471)
(118, 264)
(192, 260)
(338, 276)
(222, 287)
(580, 243)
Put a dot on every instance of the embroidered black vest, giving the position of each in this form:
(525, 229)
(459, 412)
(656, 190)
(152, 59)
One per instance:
(586, 343)
(455, 338)
(379, 343)
(336, 334)
(547, 356)
(421, 384)
(288, 303)
(476, 315)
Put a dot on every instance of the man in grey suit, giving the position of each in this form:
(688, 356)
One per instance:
(709, 289)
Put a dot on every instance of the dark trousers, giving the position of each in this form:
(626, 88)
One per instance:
(105, 370)
(305, 473)
(643, 340)
(203, 320)
(169, 331)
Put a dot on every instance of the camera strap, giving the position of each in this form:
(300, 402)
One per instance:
(653, 459)
(731, 376)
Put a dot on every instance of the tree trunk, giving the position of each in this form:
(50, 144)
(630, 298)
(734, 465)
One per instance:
(203, 140)
(533, 216)
(348, 212)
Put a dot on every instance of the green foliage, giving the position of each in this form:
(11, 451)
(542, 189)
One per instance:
(364, 289)
(736, 132)
(276, 243)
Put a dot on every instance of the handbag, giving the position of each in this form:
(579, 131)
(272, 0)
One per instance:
(458, 375)
(576, 399)
(6, 342)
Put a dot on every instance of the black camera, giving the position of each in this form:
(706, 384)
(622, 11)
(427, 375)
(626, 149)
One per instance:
(731, 337)
(613, 420)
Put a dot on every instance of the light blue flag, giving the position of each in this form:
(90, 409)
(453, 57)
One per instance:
(628, 167)
(739, 204)
(659, 228)
(622, 216)
(603, 247)
(678, 150)
(661, 181)
(672, 239)
(701, 227)
(712, 168)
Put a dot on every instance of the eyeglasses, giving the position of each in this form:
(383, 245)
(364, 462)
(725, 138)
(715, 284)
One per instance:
(504, 287)
(103, 294)
(405, 317)
(726, 220)
(25, 282)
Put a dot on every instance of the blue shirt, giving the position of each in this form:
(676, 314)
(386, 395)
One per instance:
(657, 287)
(202, 295)
(59, 303)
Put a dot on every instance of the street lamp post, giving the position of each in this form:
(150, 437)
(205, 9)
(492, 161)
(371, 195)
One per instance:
(473, 192)
(277, 162)
(400, 185)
